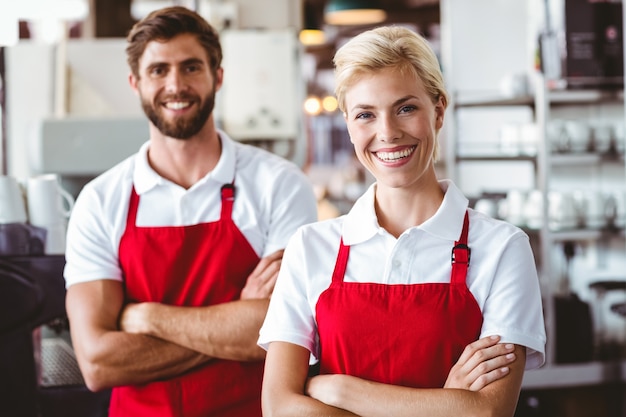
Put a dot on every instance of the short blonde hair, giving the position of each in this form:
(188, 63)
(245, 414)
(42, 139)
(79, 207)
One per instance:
(385, 47)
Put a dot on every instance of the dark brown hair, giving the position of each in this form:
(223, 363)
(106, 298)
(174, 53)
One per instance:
(167, 23)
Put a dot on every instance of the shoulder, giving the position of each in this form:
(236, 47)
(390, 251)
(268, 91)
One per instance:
(485, 227)
(108, 187)
(253, 159)
(320, 233)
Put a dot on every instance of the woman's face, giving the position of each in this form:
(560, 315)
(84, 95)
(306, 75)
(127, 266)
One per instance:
(393, 125)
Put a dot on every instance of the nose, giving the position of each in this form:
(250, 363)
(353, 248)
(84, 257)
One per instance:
(388, 128)
(174, 81)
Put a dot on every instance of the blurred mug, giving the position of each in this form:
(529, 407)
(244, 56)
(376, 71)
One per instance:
(55, 239)
(48, 202)
(487, 206)
(562, 210)
(512, 207)
(12, 208)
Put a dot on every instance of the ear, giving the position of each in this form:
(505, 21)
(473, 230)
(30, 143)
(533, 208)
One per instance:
(219, 78)
(440, 110)
(132, 80)
(345, 119)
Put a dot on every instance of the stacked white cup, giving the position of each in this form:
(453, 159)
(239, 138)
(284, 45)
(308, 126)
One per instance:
(49, 207)
(12, 208)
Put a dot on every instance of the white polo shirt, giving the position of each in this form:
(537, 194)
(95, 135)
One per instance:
(273, 198)
(502, 275)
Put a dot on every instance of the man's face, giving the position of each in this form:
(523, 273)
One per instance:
(176, 86)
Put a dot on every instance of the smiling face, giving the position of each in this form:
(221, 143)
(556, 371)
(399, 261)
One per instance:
(393, 124)
(176, 86)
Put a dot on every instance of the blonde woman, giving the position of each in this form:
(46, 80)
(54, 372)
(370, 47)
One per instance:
(412, 303)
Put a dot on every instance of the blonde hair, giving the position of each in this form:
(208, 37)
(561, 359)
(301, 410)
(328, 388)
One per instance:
(384, 47)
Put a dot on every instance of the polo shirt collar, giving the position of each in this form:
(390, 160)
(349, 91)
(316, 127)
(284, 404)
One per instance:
(145, 178)
(361, 223)
(447, 222)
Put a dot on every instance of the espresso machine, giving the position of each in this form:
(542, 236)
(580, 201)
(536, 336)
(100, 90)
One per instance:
(40, 375)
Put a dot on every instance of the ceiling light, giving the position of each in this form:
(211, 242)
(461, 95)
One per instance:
(311, 37)
(312, 33)
(312, 106)
(329, 104)
(353, 12)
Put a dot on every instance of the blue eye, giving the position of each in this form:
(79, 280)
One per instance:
(364, 116)
(407, 109)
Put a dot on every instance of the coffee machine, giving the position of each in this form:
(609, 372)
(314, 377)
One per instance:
(40, 375)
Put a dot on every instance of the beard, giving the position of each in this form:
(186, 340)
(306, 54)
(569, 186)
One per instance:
(182, 127)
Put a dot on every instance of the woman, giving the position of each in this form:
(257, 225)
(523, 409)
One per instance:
(387, 297)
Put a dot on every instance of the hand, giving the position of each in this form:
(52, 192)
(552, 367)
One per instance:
(133, 318)
(261, 281)
(482, 362)
(325, 388)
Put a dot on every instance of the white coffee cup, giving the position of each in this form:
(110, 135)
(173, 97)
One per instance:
(515, 85)
(512, 208)
(48, 202)
(595, 201)
(55, 239)
(562, 210)
(620, 207)
(579, 134)
(487, 206)
(533, 209)
(12, 207)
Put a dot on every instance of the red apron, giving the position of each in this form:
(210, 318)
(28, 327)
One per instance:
(198, 265)
(405, 334)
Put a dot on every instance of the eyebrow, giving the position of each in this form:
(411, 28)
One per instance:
(186, 62)
(395, 103)
(192, 61)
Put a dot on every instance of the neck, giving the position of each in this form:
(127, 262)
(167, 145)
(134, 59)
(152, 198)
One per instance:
(399, 209)
(184, 162)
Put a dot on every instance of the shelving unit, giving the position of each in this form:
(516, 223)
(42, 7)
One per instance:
(552, 374)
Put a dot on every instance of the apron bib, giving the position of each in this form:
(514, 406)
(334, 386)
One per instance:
(197, 265)
(405, 334)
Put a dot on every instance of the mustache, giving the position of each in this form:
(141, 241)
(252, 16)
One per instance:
(178, 97)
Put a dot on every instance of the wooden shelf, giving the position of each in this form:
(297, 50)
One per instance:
(591, 96)
(567, 159)
(492, 100)
(571, 375)
(494, 158)
(555, 97)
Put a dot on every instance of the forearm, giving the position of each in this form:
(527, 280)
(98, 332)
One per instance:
(284, 380)
(293, 404)
(370, 399)
(117, 358)
(226, 331)
(108, 357)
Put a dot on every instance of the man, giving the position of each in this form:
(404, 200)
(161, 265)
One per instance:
(173, 253)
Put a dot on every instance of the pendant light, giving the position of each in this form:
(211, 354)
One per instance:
(312, 33)
(353, 12)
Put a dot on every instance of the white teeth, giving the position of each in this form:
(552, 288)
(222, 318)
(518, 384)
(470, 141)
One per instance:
(177, 105)
(393, 156)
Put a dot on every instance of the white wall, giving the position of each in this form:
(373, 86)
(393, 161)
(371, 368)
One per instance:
(97, 81)
(483, 41)
(96, 85)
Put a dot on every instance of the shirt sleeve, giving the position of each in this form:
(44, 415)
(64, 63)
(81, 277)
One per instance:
(290, 316)
(91, 253)
(513, 308)
(295, 206)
